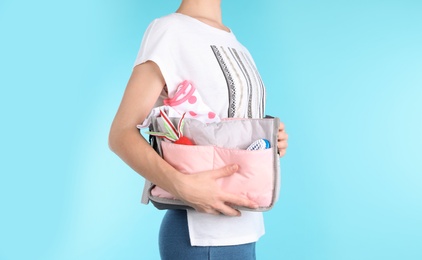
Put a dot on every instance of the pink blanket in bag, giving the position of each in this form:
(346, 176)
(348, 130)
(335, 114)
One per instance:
(254, 179)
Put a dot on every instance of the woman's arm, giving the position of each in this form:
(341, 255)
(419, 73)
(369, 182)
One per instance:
(198, 190)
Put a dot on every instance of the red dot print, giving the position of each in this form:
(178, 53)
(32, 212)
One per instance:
(192, 100)
(211, 115)
(192, 113)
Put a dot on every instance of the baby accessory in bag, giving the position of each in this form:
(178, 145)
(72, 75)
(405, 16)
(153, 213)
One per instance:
(249, 143)
(187, 101)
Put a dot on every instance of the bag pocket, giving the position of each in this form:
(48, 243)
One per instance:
(254, 179)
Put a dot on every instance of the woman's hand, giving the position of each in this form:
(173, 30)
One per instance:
(282, 140)
(201, 192)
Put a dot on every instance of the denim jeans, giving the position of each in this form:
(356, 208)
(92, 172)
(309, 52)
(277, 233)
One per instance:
(174, 243)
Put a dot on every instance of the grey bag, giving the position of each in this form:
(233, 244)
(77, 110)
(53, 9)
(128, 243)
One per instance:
(217, 145)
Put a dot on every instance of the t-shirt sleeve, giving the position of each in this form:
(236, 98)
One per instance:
(157, 46)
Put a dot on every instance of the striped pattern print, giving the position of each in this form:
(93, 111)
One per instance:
(246, 91)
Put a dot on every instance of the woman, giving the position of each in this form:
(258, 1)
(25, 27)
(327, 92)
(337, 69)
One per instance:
(194, 44)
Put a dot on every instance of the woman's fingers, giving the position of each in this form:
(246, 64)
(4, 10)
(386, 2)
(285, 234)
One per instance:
(207, 210)
(282, 136)
(227, 207)
(282, 140)
(282, 144)
(225, 171)
(281, 127)
(230, 199)
(225, 210)
(210, 198)
(282, 152)
(228, 211)
(218, 208)
(237, 200)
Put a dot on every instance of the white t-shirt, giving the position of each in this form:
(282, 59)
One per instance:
(226, 78)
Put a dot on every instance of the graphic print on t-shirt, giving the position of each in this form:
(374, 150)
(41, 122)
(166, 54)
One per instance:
(246, 91)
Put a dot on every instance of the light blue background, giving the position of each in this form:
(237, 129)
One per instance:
(344, 76)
